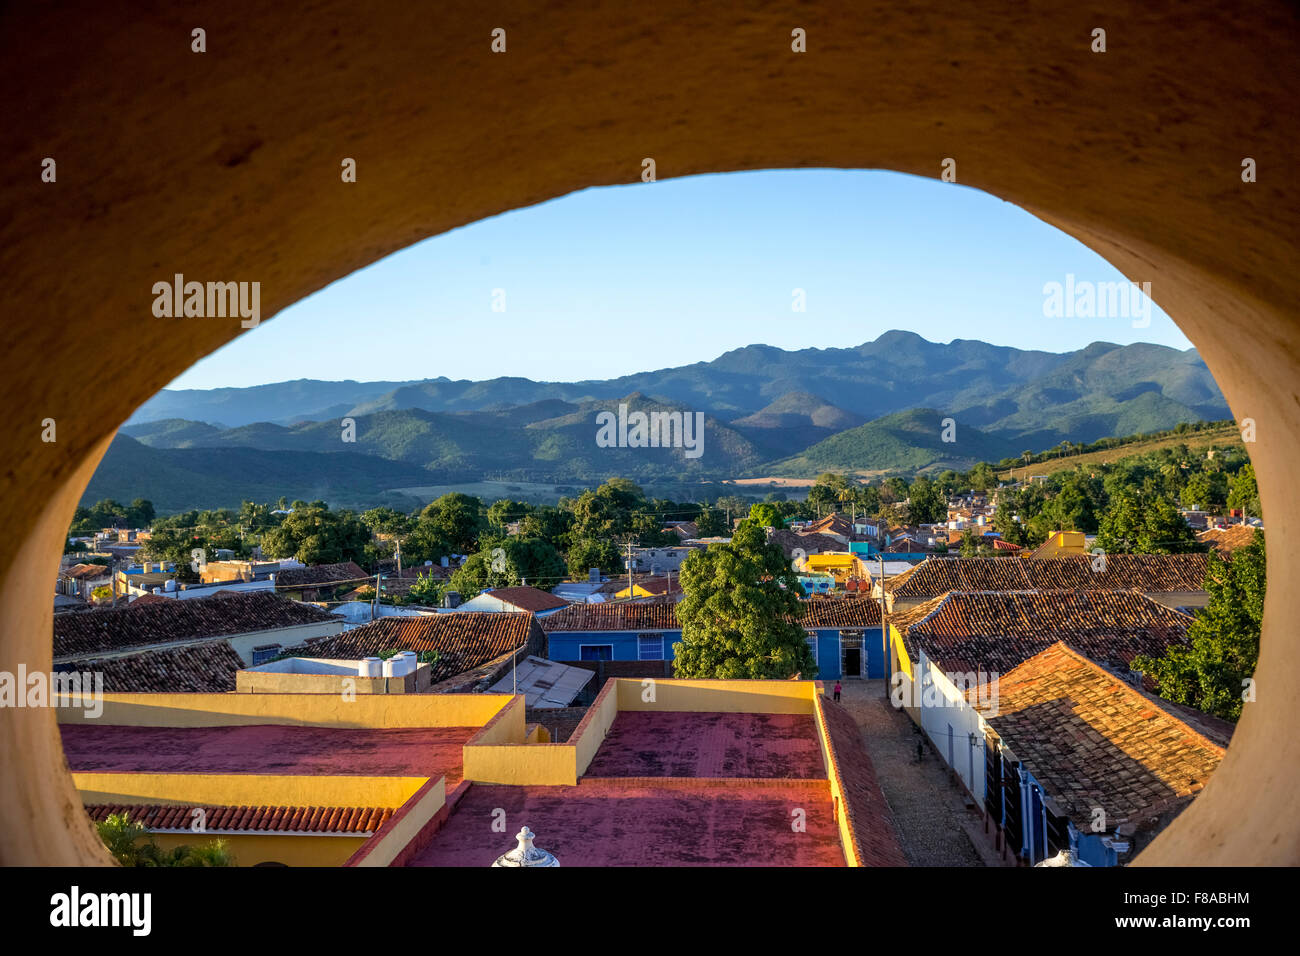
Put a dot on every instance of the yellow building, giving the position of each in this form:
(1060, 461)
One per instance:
(1061, 543)
(841, 565)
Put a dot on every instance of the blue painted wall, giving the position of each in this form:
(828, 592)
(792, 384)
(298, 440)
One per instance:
(567, 645)
(830, 661)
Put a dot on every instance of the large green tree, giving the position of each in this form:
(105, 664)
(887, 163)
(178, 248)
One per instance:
(926, 503)
(1211, 672)
(316, 535)
(738, 621)
(1141, 524)
(455, 518)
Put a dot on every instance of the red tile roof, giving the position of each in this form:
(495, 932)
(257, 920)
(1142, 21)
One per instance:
(994, 631)
(1227, 540)
(318, 574)
(788, 541)
(662, 616)
(834, 523)
(208, 667)
(85, 571)
(173, 620)
(621, 616)
(1093, 740)
(527, 599)
(871, 821)
(1149, 573)
(464, 639)
(840, 612)
(358, 821)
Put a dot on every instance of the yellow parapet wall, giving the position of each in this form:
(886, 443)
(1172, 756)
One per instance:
(246, 789)
(729, 696)
(320, 710)
(395, 835)
(590, 734)
(847, 842)
(291, 849)
(500, 753)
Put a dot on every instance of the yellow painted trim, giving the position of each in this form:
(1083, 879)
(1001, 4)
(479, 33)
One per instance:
(385, 846)
(375, 711)
(246, 789)
(249, 849)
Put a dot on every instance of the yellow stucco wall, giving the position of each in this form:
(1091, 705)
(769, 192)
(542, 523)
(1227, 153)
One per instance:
(900, 651)
(497, 755)
(730, 696)
(251, 849)
(600, 716)
(836, 783)
(1061, 543)
(323, 710)
(382, 848)
(246, 789)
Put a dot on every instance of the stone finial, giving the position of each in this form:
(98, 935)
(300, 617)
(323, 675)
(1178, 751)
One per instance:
(525, 854)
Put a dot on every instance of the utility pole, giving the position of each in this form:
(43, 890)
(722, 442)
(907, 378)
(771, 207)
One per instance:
(630, 593)
(374, 604)
(884, 628)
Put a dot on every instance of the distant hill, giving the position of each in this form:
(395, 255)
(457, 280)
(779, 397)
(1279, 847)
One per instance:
(793, 422)
(183, 478)
(907, 441)
(1044, 397)
(873, 408)
(551, 438)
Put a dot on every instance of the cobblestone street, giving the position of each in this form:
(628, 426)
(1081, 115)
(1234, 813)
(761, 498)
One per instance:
(935, 825)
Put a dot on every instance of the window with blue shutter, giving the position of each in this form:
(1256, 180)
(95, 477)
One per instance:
(650, 647)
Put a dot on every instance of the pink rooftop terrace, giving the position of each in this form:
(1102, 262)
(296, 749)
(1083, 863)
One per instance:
(267, 748)
(647, 822)
(676, 744)
(667, 789)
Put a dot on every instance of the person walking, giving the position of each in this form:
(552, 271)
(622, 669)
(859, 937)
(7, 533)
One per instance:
(837, 691)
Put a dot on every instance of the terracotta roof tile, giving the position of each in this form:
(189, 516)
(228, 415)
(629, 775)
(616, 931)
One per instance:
(361, 821)
(159, 623)
(527, 598)
(841, 612)
(788, 540)
(1227, 540)
(870, 818)
(208, 667)
(1149, 573)
(1093, 740)
(994, 631)
(84, 571)
(622, 616)
(464, 639)
(319, 574)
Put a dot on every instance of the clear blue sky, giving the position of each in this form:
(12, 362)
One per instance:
(628, 278)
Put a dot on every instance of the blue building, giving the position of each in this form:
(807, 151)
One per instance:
(624, 631)
(845, 636)
(843, 632)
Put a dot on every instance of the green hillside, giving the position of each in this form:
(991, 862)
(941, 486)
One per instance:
(905, 442)
(177, 479)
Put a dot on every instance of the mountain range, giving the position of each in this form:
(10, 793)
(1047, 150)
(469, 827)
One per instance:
(875, 408)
